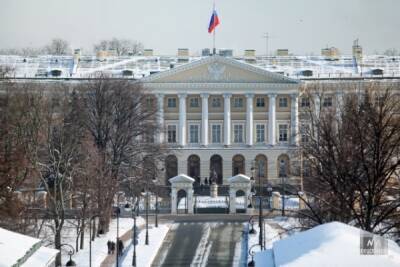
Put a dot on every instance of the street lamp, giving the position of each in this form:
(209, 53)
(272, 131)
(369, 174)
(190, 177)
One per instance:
(134, 210)
(252, 231)
(251, 253)
(260, 215)
(70, 253)
(118, 211)
(90, 238)
(156, 206)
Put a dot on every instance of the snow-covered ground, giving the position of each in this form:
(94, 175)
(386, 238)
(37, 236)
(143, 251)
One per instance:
(145, 254)
(99, 245)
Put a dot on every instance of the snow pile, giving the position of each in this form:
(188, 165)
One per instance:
(331, 244)
(17, 248)
(145, 254)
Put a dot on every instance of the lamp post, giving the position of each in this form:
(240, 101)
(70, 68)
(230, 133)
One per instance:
(118, 211)
(251, 253)
(252, 230)
(134, 209)
(70, 253)
(260, 211)
(90, 238)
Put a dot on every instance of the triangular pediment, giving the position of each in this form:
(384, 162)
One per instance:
(181, 178)
(217, 69)
(240, 178)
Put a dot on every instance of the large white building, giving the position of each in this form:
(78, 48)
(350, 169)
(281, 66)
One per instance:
(226, 117)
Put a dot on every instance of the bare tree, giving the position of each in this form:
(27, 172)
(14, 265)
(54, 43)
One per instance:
(58, 46)
(352, 154)
(20, 120)
(122, 47)
(122, 122)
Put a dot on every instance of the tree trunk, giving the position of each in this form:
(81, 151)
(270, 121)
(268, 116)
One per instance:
(82, 234)
(57, 242)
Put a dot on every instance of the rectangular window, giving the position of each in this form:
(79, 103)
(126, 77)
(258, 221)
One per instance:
(216, 133)
(216, 102)
(194, 102)
(305, 133)
(283, 133)
(171, 101)
(327, 102)
(194, 133)
(260, 102)
(238, 102)
(283, 102)
(305, 102)
(238, 133)
(260, 133)
(171, 132)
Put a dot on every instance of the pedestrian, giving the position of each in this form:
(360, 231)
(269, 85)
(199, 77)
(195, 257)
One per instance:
(109, 247)
(205, 181)
(120, 247)
(112, 247)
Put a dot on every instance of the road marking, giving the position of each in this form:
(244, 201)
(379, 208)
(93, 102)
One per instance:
(203, 249)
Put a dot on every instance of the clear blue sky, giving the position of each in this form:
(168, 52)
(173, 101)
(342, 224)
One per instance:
(303, 26)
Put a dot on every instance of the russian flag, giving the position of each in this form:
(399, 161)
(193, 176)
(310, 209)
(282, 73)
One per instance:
(214, 22)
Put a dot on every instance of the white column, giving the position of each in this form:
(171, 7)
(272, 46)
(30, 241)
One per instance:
(227, 119)
(204, 119)
(317, 104)
(272, 119)
(249, 119)
(182, 119)
(294, 117)
(160, 105)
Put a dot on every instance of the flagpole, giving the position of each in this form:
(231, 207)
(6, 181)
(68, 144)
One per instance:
(214, 49)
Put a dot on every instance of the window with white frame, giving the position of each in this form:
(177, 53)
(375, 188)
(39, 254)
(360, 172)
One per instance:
(216, 133)
(327, 101)
(238, 102)
(305, 102)
(194, 133)
(171, 102)
(194, 102)
(260, 102)
(283, 102)
(238, 133)
(305, 132)
(171, 134)
(216, 102)
(260, 133)
(283, 132)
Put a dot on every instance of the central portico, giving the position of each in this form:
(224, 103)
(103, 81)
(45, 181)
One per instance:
(226, 117)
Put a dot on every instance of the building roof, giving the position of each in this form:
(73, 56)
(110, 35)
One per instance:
(17, 249)
(240, 178)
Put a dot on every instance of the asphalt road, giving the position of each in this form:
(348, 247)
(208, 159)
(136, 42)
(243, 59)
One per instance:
(201, 244)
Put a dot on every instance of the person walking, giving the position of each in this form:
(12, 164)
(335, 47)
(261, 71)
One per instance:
(109, 247)
(120, 247)
(112, 247)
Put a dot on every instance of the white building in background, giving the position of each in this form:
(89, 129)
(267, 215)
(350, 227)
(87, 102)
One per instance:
(226, 117)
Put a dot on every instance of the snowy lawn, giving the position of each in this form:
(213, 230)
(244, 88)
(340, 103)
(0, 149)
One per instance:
(99, 245)
(145, 254)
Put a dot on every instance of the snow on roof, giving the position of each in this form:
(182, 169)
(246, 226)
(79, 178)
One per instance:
(240, 178)
(44, 256)
(181, 178)
(17, 248)
(330, 244)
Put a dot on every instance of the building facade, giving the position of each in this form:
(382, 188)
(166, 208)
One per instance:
(222, 117)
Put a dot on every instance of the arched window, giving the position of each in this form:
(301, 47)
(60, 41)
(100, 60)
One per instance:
(171, 168)
(261, 167)
(283, 165)
(238, 165)
(216, 168)
(193, 167)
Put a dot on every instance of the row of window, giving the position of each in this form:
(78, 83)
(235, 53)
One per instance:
(216, 133)
(238, 102)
